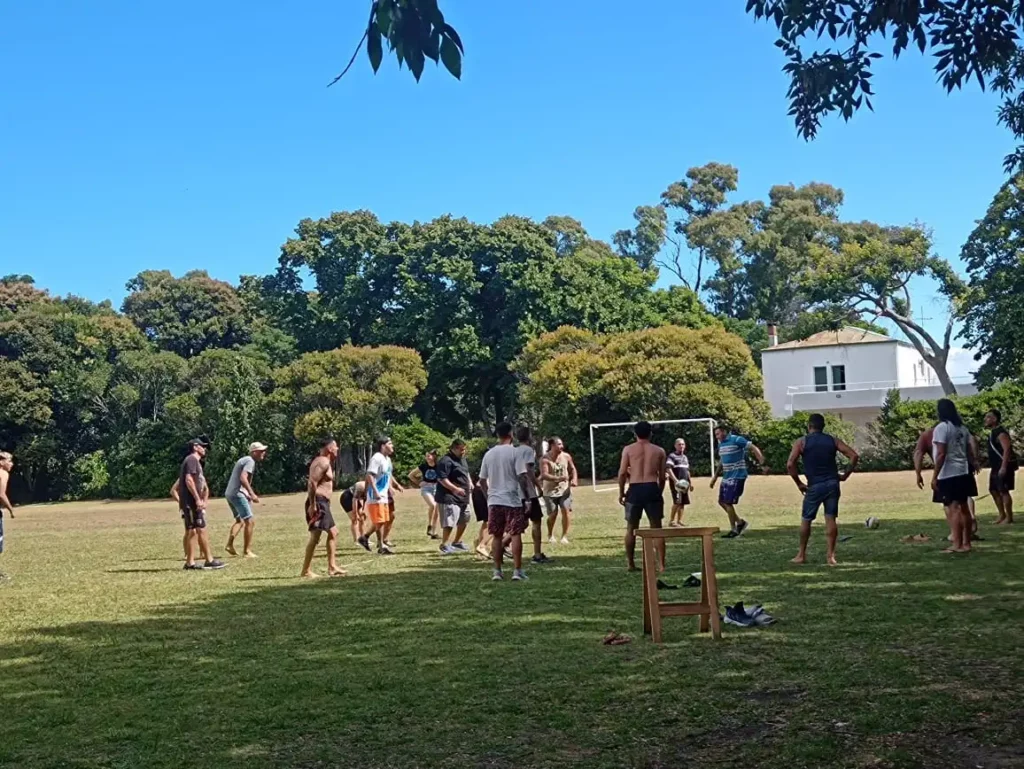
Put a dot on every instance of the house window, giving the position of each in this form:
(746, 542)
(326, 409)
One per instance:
(820, 379)
(839, 377)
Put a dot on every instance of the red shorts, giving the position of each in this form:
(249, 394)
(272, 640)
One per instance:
(506, 520)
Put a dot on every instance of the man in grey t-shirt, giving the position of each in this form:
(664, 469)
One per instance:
(241, 497)
(503, 478)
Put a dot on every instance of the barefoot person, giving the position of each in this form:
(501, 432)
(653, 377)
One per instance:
(732, 468)
(679, 470)
(528, 455)
(1003, 466)
(503, 478)
(558, 476)
(482, 545)
(353, 502)
(953, 456)
(425, 477)
(6, 465)
(192, 494)
(380, 483)
(454, 491)
(241, 497)
(818, 450)
(643, 467)
(318, 509)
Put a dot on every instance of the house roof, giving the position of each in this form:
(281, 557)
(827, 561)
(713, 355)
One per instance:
(844, 336)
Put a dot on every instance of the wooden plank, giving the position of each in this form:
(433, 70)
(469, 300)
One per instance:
(705, 619)
(683, 609)
(651, 585)
(672, 533)
(644, 566)
(711, 579)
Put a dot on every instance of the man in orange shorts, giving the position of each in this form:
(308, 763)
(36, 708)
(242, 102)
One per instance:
(380, 481)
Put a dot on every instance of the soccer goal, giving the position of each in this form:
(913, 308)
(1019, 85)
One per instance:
(606, 446)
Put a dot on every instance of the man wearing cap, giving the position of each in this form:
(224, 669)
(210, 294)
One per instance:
(192, 494)
(240, 496)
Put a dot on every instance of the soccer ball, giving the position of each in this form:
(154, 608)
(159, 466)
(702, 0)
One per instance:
(872, 523)
(682, 485)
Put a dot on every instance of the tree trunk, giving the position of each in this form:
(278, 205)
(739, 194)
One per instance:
(935, 355)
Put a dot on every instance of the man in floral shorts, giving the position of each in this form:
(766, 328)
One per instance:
(503, 478)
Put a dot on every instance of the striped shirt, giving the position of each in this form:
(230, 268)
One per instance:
(733, 454)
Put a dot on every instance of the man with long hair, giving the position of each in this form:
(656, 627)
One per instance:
(1002, 464)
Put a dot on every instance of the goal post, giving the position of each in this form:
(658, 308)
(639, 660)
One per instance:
(595, 426)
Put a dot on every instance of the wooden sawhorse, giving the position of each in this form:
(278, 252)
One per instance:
(706, 609)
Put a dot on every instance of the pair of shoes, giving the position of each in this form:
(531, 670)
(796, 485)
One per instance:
(744, 617)
(385, 550)
(364, 542)
(519, 576)
(459, 547)
(541, 558)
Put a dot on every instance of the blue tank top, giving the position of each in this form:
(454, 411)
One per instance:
(820, 458)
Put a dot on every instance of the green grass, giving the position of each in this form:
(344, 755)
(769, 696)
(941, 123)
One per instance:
(111, 656)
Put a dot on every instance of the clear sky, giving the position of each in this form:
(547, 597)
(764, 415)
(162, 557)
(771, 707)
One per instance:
(196, 134)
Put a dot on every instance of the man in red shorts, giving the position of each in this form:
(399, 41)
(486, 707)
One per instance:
(318, 509)
(503, 478)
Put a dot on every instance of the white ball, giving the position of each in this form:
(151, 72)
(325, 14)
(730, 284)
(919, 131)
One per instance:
(872, 522)
(682, 485)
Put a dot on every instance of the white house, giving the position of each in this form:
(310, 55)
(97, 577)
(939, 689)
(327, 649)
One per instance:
(846, 373)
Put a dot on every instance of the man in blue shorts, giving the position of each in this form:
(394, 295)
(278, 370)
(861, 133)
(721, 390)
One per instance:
(732, 469)
(241, 497)
(819, 450)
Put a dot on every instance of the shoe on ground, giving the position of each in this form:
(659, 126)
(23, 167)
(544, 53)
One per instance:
(385, 550)
(460, 547)
(552, 541)
(214, 564)
(733, 618)
(364, 542)
(519, 576)
(497, 576)
(541, 558)
(743, 526)
(389, 544)
(447, 550)
(192, 567)
(565, 540)
(731, 534)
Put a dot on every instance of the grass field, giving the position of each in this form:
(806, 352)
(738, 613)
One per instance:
(111, 656)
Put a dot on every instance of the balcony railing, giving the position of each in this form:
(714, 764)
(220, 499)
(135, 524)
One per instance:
(890, 384)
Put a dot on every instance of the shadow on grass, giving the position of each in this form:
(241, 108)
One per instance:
(438, 666)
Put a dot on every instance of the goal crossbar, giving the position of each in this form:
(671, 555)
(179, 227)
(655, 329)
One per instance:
(595, 425)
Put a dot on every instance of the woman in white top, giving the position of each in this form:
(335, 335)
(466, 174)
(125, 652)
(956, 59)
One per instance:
(954, 455)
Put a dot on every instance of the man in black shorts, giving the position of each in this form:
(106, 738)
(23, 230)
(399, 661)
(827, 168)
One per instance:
(644, 468)
(535, 513)
(192, 495)
(1003, 466)
(453, 496)
(483, 539)
(353, 499)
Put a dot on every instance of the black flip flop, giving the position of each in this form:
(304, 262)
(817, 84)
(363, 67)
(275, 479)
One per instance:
(691, 581)
(664, 586)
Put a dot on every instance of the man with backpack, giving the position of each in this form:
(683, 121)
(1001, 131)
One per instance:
(1003, 464)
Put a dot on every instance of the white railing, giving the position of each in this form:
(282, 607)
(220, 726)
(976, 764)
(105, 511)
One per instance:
(848, 387)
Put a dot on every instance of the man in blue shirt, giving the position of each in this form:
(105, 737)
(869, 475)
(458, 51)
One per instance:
(732, 468)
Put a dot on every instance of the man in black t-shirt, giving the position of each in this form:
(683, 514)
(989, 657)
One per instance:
(1003, 466)
(192, 494)
(454, 490)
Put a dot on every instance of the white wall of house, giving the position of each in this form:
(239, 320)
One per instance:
(913, 371)
(794, 367)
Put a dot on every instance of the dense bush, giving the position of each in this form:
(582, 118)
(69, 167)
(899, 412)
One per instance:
(775, 438)
(412, 441)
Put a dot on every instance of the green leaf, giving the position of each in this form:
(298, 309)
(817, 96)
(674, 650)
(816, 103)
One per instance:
(450, 33)
(451, 57)
(374, 48)
(384, 16)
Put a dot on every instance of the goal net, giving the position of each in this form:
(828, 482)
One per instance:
(607, 439)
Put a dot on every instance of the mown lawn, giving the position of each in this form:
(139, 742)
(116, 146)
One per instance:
(111, 656)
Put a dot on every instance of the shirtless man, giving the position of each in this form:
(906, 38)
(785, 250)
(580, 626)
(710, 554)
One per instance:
(6, 464)
(643, 467)
(318, 509)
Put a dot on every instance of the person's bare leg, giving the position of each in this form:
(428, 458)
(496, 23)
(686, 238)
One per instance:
(831, 536)
(552, 516)
(660, 548)
(250, 525)
(566, 521)
(333, 569)
(497, 552)
(190, 546)
(536, 532)
(204, 545)
(966, 528)
(1008, 506)
(517, 551)
(805, 537)
(235, 528)
(730, 510)
(386, 536)
(998, 498)
(354, 528)
(630, 546)
(307, 563)
(953, 519)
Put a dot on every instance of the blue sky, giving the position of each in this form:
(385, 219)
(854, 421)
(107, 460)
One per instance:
(195, 135)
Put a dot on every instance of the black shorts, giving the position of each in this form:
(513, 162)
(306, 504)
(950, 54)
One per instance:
(535, 514)
(194, 519)
(645, 498)
(321, 518)
(347, 500)
(956, 489)
(998, 485)
(680, 497)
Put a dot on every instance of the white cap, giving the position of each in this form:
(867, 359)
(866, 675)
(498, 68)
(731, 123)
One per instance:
(257, 446)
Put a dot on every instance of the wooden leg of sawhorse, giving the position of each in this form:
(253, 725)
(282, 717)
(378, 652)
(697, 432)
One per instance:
(647, 597)
(652, 612)
(705, 619)
(710, 584)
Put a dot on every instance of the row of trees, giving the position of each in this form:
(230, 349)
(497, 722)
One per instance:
(365, 324)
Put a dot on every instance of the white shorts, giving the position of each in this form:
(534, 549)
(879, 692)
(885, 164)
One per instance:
(564, 502)
(453, 516)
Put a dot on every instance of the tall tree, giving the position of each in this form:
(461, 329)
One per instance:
(993, 313)
(186, 315)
